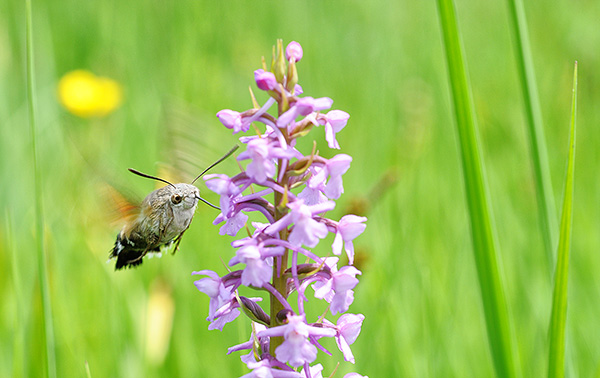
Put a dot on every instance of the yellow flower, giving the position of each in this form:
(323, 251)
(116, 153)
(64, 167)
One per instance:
(87, 95)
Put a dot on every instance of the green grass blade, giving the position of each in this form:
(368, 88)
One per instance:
(88, 372)
(484, 245)
(39, 215)
(19, 359)
(537, 142)
(556, 356)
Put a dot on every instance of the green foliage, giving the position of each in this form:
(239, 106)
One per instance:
(535, 128)
(47, 322)
(558, 321)
(382, 62)
(501, 342)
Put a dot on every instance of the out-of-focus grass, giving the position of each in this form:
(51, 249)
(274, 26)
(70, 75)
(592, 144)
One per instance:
(49, 355)
(558, 320)
(535, 129)
(380, 61)
(500, 334)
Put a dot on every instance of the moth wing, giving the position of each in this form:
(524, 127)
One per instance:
(191, 142)
(114, 205)
(123, 208)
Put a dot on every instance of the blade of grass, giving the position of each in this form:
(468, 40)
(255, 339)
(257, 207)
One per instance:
(537, 141)
(556, 355)
(47, 323)
(88, 372)
(19, 359)
(499, 331)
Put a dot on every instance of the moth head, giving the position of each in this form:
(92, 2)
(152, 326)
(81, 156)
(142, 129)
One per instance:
(184, 196)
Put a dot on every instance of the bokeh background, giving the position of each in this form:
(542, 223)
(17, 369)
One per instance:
(178, 63)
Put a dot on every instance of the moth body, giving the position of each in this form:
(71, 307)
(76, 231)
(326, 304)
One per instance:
(160, 220)
(163, 217)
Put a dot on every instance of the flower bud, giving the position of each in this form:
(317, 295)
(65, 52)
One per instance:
(254, 311)
(292, 76)
(279, 66)
(293, 50)
(232, 120)
(282, 316)
(265, 80)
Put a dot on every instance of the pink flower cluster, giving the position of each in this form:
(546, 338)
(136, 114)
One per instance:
(293, 192)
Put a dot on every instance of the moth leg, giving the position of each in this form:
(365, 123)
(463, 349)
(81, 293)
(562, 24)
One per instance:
(139, 257)
(177, 241)
(163, 228)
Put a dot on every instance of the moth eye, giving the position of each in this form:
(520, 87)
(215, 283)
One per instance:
(176, 198)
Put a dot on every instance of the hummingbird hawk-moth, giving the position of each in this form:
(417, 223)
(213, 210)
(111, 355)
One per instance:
(159, 221)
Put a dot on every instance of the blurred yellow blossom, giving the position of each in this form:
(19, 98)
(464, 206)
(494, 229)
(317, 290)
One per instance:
(87, 95)
(159, 321)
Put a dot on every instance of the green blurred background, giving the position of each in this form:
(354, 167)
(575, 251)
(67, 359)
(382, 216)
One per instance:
(179, 62)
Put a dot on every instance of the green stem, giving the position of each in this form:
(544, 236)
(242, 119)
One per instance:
(556, 355)
(279, 279)
(500, 335)
(47, 323)
(537, 144)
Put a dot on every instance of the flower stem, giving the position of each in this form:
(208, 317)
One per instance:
(281, 263)
(47, 322)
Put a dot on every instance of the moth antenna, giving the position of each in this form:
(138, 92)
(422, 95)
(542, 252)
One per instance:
(215, 163)
(135, 171)
(208, 203)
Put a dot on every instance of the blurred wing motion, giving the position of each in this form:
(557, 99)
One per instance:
(122, 208)
(190, 141)
(124, 212)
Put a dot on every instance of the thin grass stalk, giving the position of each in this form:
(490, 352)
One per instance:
(47, 323)
(500, 336)
(88, 372)
(537, 141)
(556, 355)
(18, 361)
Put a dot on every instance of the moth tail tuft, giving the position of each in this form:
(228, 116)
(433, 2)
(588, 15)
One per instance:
(126, 254)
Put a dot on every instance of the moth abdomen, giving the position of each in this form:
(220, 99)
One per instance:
(129, 253)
